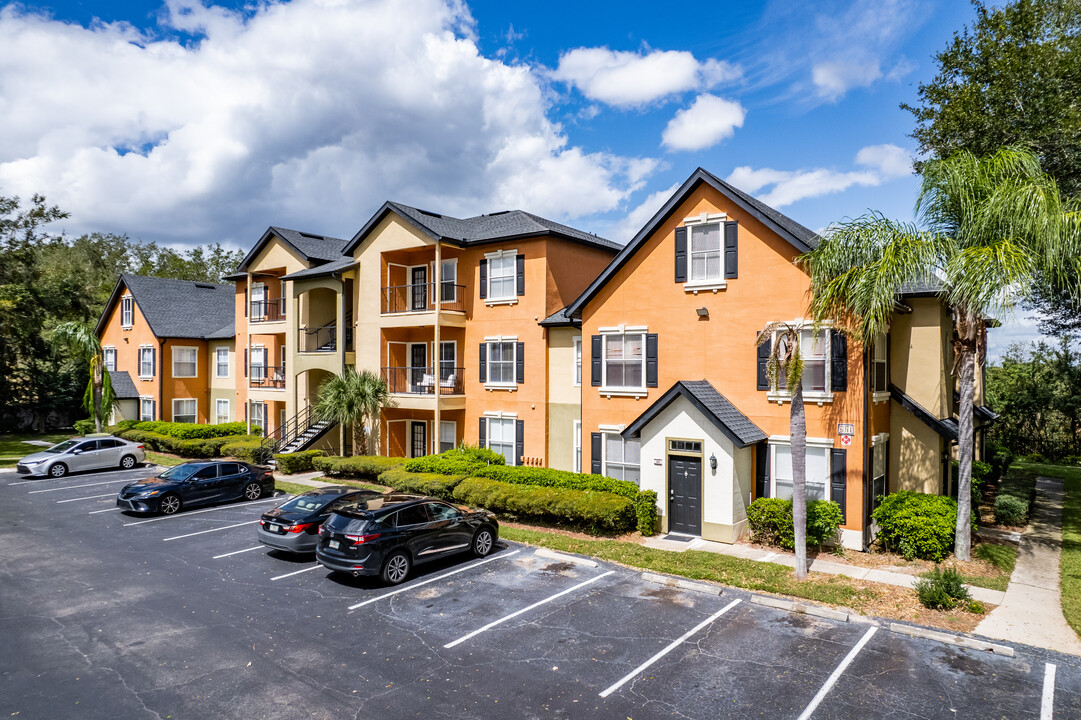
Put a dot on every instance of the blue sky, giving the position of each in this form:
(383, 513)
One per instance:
(187, 122)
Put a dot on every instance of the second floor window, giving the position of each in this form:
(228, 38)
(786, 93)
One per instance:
(222, 362)
(501, 279)
(109, 354)
(501, 362)
(624, 360)
(577, 361)
(816, 361)
(146, 362)
(127, 311)
(705, 250)
(880, 374)
(184, 362)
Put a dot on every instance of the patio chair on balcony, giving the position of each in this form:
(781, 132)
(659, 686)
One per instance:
(448, 384)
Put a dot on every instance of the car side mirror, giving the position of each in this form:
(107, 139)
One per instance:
(76, 452)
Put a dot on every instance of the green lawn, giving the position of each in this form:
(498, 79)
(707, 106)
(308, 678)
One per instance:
(163, 460)
(13, 446)
(291, 488)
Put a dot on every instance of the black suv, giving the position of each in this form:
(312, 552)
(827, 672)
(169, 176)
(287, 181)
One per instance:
(387, 534)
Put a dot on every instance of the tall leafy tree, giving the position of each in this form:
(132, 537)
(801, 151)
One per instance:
(354, 400)
(80, 339)
(785, 365)
(989, 229)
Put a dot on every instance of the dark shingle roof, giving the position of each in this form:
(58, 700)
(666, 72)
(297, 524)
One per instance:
(559, 319)
(179, 308)
(123, 386)
(315, 249)
(480, 229)
(736, 426)
(343, 262)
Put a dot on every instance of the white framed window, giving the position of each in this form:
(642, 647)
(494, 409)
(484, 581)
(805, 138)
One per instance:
(258, 301)
(448, 435)
(501, 361)
(501, 275)
(880, 369)
(185, 362)
(258, 364)
(146, 409)
(109, 356)
(448, 281)
(127, 311)
(221, 411)
(577, 361)
(880, 449)
(500, 438)
(815, 350)
(578, 446)
(448, 365)
(257, 413)
(624, 361)
(818, 470)
(704, 248)
(185, 410)
(622, 458)
(146, 362)
(221, 362)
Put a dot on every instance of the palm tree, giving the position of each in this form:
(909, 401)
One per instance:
(80, 339)
(990, 229)
(354, 399)
(786, 363)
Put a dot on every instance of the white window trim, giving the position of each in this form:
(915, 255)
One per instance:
(820, 397)
(196, 363)
(711, 284)
(488, 340)
(776, 441)
(878, 396)
(811, 441)
(880, 438)
(576, 447)
(195, 415)
(489, 300)
(127, 300)
(576, 371)
(139, 361)
(217, 411)
(454, 441)
(217, 363)
(617, 430)
(437, 294)
(500, 415)
(488, 417)
(251, 414)
(617, 391)
(142, 399)
(105, 356)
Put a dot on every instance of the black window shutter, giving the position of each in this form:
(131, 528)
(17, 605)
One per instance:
(153, 409)
(519, 363)
(483, 279)
(245, 362)
(482, 440)
(519, 266)
(731, 266)
(519, 441)
(651, 360)
(763, 365)
(838, 361)
(761, 470)
(595, 453)
(153, 361)
(838, 479)
(681, 254)
(245, 302)
(596, 347)
(483, 365)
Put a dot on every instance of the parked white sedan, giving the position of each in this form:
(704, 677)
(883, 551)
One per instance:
(79, 454)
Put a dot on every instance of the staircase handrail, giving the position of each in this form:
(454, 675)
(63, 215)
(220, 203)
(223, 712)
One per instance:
(286, 433)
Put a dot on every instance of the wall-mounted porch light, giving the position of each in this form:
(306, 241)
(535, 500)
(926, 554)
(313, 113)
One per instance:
(713, 462)
(703, 312)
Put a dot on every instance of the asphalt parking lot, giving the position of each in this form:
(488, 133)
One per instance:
(105, 614)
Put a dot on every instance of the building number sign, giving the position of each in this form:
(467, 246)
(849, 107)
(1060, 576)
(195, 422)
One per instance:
(846, 429)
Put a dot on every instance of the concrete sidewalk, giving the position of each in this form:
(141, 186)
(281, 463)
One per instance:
(782, 557)
(1032, 610)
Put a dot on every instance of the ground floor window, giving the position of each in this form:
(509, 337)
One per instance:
(146, 409)
(184, 410)
(622, 458)
(258, 415)
(818, 471)
(448, 435)
(221, 411)
(500, 437)
(879, 484)
(577, 446)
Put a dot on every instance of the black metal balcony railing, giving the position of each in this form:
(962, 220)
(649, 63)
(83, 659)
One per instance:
(324, 339)
(419, 297)
(422, 380)
(266, 376)
(267, 310)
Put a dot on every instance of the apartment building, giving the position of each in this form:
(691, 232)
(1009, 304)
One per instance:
(169, 345)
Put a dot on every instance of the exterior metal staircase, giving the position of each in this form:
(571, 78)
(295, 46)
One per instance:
(297, 433)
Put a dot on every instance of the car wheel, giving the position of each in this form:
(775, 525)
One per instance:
(483, 542)
(127, 462)
(396, 568)
(58, 470)
(169, 504)
(253, 491)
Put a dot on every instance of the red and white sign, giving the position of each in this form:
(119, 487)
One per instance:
(846, 440)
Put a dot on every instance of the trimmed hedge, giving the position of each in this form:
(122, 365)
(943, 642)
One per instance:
(243, 449)
(364, 467)
(290, 463)
(464, 460)
(645, 509)
(1010, 510)
(917, 525)
(192, 431)
(590, 508)
(204, 448)
(770, 520)
(433, 484)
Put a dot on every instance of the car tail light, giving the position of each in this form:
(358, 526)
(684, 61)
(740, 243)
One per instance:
(139, 447)
(361, 539)
(320, 529)
(299, 528)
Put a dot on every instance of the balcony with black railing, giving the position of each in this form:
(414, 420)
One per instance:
(421, 297)
(272, 310)
(268, 377)
(324, 339)
(422, 380)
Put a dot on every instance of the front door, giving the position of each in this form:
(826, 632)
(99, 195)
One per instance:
(685, 495)
(418, 278)
(418, 368)
(418, 439)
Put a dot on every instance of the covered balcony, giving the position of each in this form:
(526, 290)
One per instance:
(423, 381)
(268, 310)
(421, 297)
(267, 377)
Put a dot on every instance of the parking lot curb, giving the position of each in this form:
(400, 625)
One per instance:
(958, 640)
(553, 555)
(682, 584)
(801, 608)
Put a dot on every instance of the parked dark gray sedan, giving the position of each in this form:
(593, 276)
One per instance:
(293, 526)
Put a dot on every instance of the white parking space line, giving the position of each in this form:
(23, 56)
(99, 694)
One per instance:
(237, 552)
(515, 614)
(297, 572)
(1047, 703)
(832, 680)
(671, 646)
(76, 487)
(89, 497)
(112, 509)
(197, 512)
(204, 532)
(432, 580)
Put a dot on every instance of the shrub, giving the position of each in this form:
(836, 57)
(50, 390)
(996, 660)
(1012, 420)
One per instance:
(547, 477)
(770, 520)
(243, 449)
(917, 525)
(1010, 510)
(85, 427)
(464, 460)
(192, 431)
(981, 473)
(941, 589)
(126, 424)
(364, 467)
(205, 448)
(589, 508)
(433, 484)
(1034, 458)
(295, 462)
(645, 509)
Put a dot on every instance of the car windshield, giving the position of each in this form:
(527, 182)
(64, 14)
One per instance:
(307, 503)
(62, 447)
(180, 472)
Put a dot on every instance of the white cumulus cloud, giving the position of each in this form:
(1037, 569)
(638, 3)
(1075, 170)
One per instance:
(630, 79)
(705, 123)
(308, 113)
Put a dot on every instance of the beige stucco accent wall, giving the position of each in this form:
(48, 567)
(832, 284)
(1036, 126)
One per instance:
(915, 454)
(919, 348)
(561, 376)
